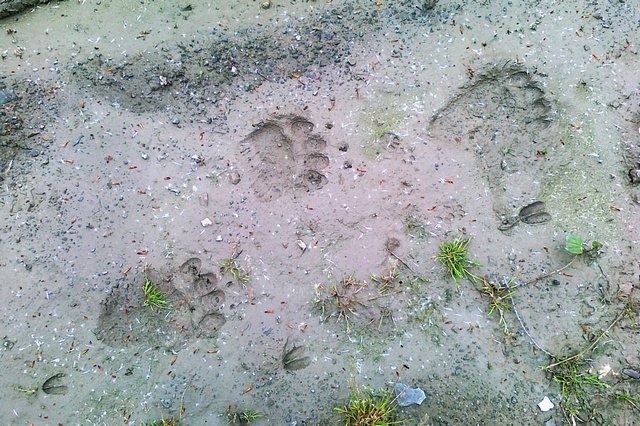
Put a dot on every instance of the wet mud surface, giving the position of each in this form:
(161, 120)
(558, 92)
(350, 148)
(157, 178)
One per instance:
(281, 181)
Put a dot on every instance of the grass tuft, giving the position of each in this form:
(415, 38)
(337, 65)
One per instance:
(575, 384)
(342, 299)
(153, 297)
(453, 255)
(231, 266)
(238, 273)
(366, 409)
(349, 299)
(164, 422)
(500, 297)
(243, 417)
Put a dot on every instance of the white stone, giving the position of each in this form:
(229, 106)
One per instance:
(407, 396)
(206, 222)
(545, 404)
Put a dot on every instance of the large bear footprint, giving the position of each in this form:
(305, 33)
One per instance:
(285, 158)
(504, 115)
(194, 304)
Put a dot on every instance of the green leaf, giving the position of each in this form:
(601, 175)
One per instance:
(574, 244)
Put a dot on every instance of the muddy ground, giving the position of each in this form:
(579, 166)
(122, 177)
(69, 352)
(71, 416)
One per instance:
(285, 176)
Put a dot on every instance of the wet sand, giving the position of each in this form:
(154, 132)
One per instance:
(284, 177)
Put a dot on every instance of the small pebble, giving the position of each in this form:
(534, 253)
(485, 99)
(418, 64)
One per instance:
(545, 405)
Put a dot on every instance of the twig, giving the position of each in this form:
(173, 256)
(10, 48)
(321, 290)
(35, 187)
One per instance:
(592, 345)
(524, 328)
(186, 385)
(379, 296)
(402, 261)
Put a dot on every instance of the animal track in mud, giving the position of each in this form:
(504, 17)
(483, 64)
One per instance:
(194, 299)
(293, 356)
(504, 115)
(285, 158)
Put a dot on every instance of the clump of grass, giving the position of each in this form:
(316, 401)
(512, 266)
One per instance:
(386, 281)
(575, 381)
(342, 299)
(163, 422)
(243, 417)
(366, 409)
(454, 256)
(575, 384)
(153, 297)
(349, 298)
(500, 296)
(230, 266)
